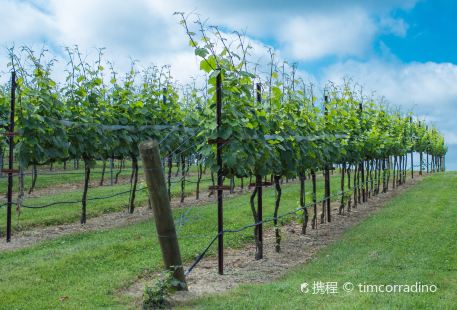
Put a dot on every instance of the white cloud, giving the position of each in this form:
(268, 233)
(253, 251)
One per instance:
(262, 18)
(185, 65)
(142, 30)
(308, 30)
(138, 27)
(450, 137)
(146, 30)
(341, 33)
(424, 84)
(426, 88)
(392, 25)
(22, 22)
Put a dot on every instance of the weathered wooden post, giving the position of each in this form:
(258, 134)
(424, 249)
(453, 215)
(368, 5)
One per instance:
(158, 196)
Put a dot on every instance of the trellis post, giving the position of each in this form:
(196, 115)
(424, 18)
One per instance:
(327, 172)
(10, 170)
(219, 187)
(259, 191)
(412, 148)
(163, 217)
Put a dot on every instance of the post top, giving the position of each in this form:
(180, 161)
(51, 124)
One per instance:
(149, 144)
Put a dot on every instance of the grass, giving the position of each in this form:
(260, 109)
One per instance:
(85, 270)
(58, 176)
(70, 212)
(413, 239)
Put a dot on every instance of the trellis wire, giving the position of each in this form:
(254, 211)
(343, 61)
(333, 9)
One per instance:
(271, 219)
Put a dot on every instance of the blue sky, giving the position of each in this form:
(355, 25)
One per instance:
(404, 50)
(431, 33)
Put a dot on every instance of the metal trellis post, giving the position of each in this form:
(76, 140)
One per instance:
(10, 170)
(259, 190)
(327, 174)
(412, 148)
(219, 187)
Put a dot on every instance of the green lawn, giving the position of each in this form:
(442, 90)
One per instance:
(413, 239)
(47, 178)
(70, 212)
(88, 268)
(58, 176)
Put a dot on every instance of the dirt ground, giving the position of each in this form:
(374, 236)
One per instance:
(241, 267)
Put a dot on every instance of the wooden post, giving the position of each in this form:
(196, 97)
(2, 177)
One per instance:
(158, 196)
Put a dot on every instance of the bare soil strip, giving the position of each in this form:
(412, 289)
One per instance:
(296, 249)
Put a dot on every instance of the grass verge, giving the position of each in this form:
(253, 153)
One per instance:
(84, 271)
(412, 239)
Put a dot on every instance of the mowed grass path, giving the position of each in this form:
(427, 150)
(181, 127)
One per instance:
(68, 209)
(67, 202)
(47, 178)
(58, 176)
(84, 271)
(413, 239)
